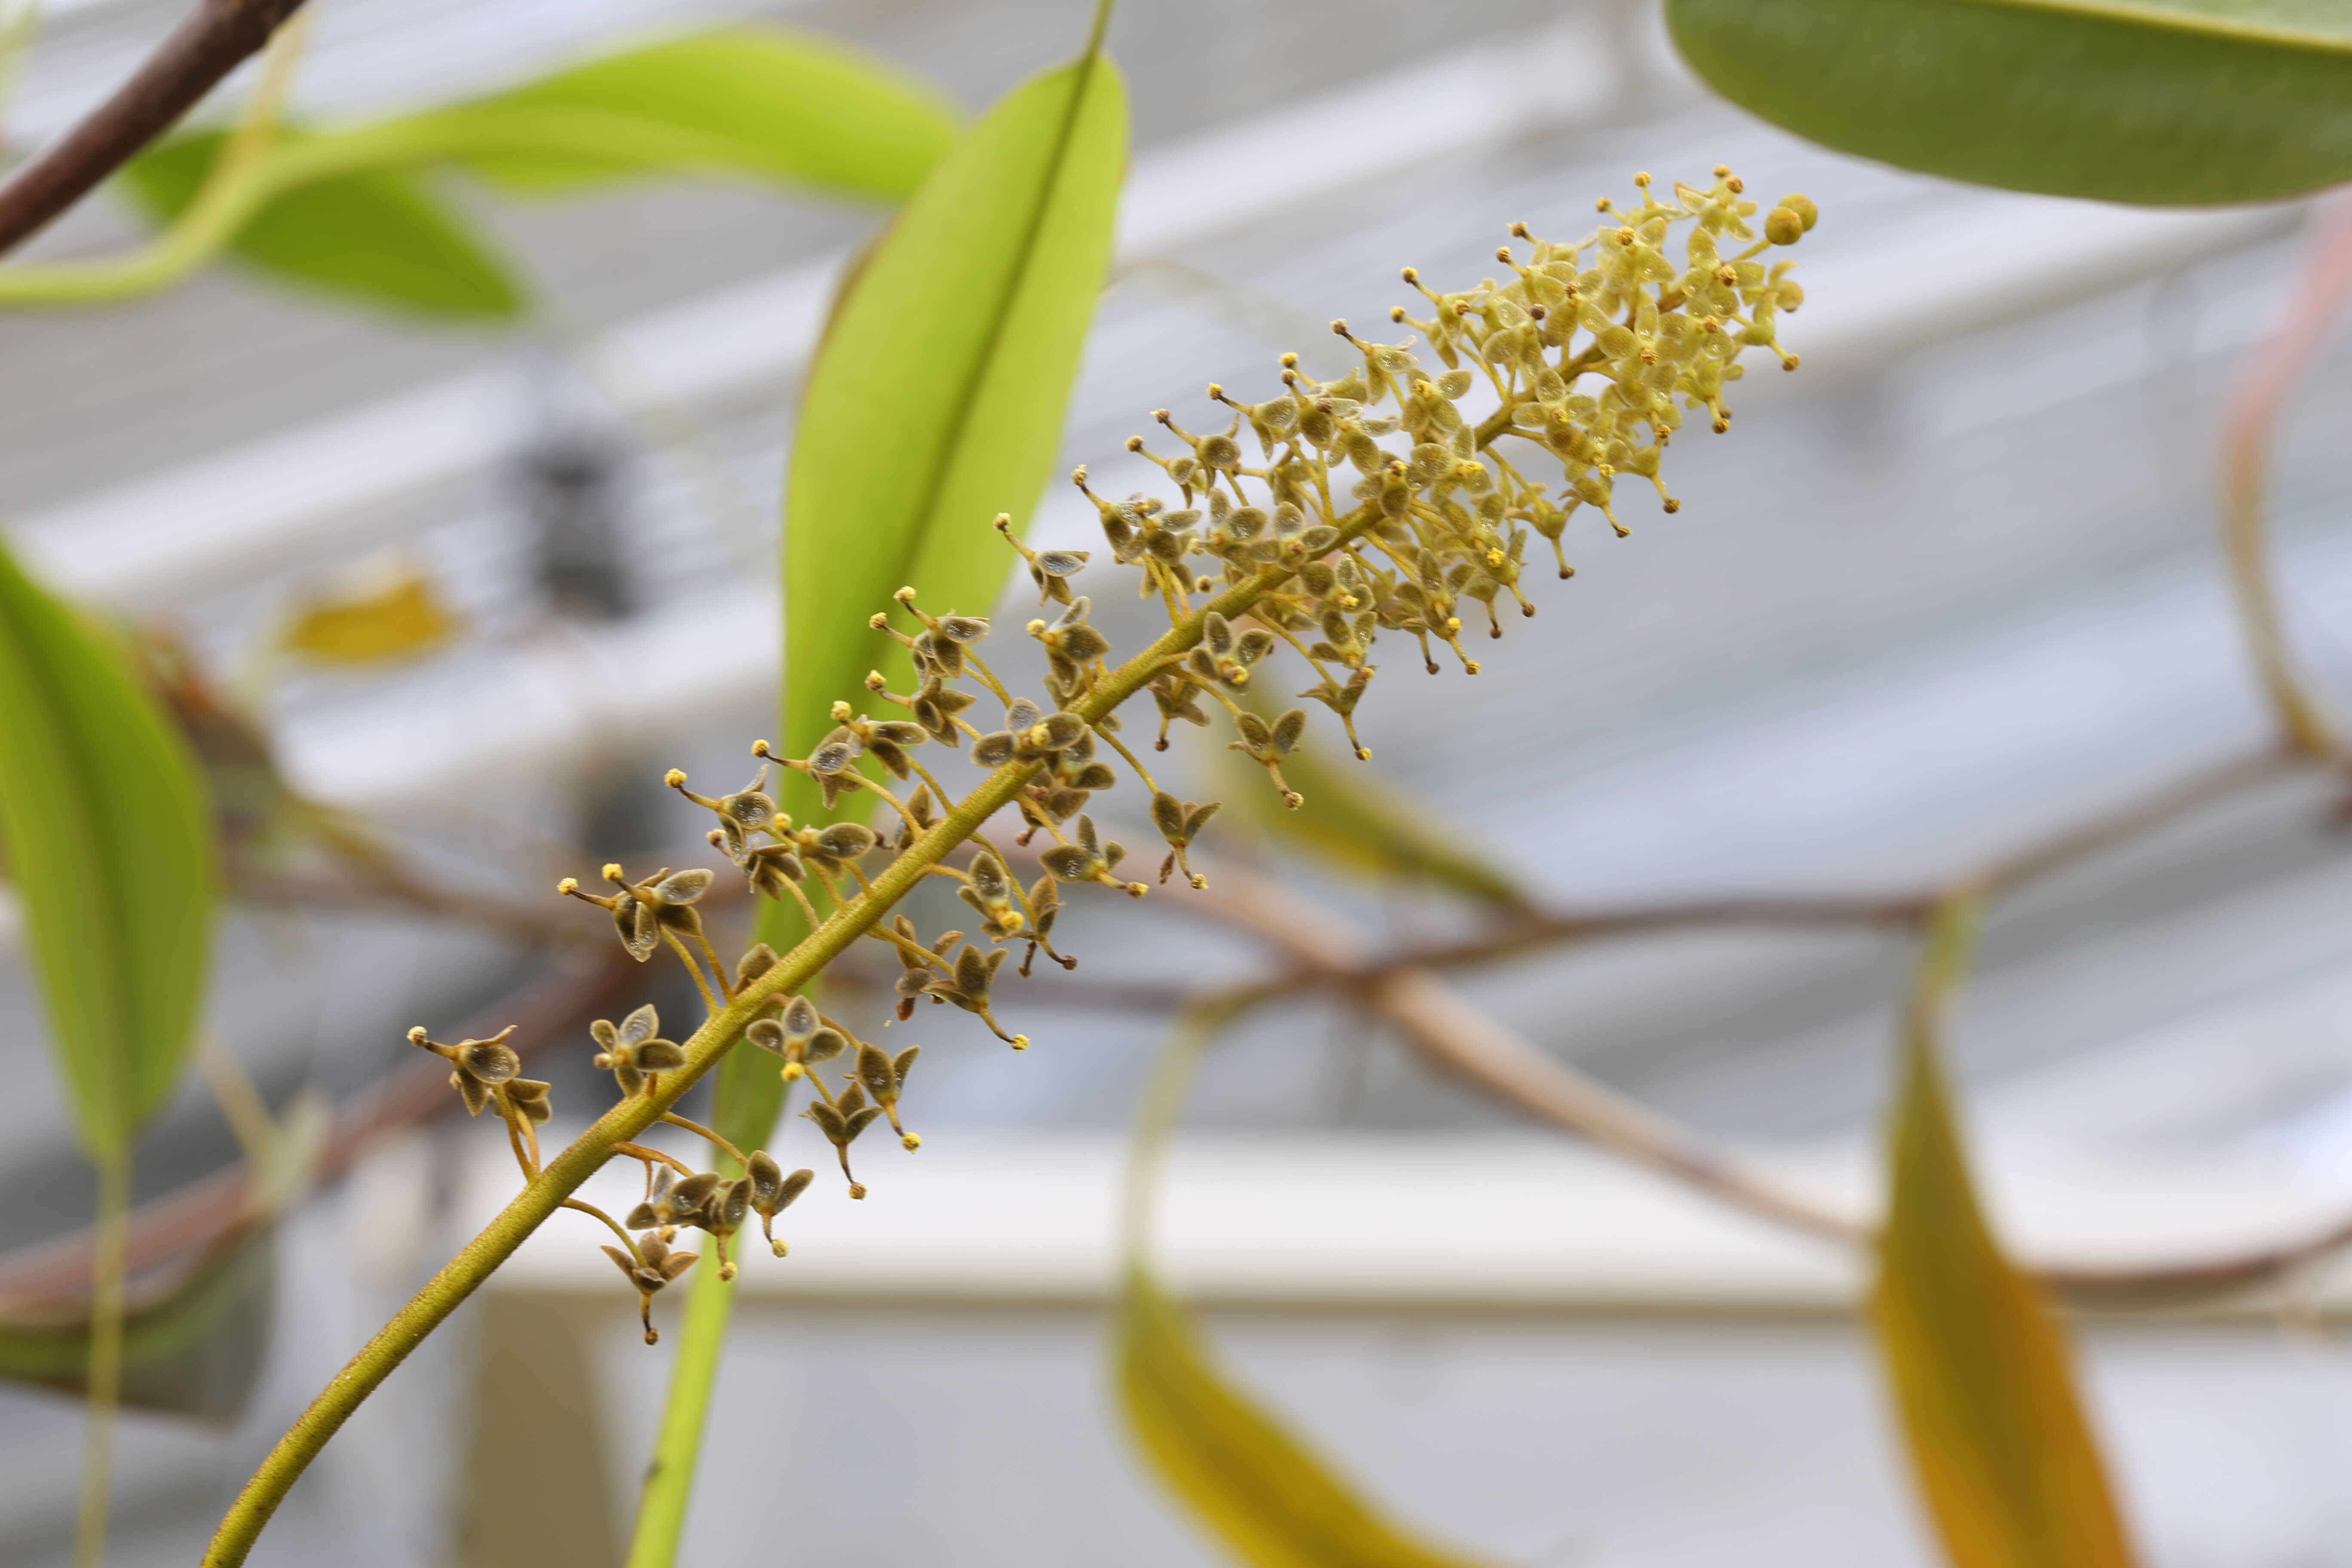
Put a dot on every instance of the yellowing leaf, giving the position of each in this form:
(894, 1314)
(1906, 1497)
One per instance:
(937, 401)
(1271, 1501)
(770, 102)
(398, 618)
(1979, 1365)
(110, 842)
(2161, 101)
(376, 235)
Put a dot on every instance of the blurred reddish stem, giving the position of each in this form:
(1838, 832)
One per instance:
(190, 1225)
(187, 66)
(2274, 373)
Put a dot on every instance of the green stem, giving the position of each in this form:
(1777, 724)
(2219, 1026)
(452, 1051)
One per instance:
(110, 1259)
(708, 1044)
(669, 1474)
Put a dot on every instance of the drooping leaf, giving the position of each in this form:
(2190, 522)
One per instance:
(196, 1348)
(375, 235)
(110, 843)
(2168, 102)
(770, 102)
(938, 400)
(1979, 1365)
(1358, 821)
(398, 618)
(1259, 1490)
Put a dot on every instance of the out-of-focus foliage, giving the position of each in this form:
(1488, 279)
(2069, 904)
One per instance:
(1978, 1366)
(2160, 102)
(398, 618)
(379, 235)
(110, 845)
(1357, 820)
(356, 217)
(775, 104)
(194, 1349)
(1272, 1504)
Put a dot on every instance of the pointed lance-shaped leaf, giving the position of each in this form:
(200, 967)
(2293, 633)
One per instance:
(109, 841)
(1977, 1361)
(1250, 1483)
(937, 399)
(2167, 102)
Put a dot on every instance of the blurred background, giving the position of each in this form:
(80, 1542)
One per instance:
(1953, 583)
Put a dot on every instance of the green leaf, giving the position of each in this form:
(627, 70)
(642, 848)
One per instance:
(1355, 820)
(1979, 1365)
(376, 235)
(770, 102)
(938, 400)
(109, 839)
(2168, 102)
(195, 1349)
(1271, 1501)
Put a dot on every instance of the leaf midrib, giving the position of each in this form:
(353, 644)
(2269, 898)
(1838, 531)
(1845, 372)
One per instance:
(911, 549)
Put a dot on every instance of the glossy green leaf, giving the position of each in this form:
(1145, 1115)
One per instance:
(770, 102)
(2168, 102)
(938, 400)
(1357, 821)
(109, 840)
(1272, 1502)
(379, 236)
(1979, 1365)
(195, 1349)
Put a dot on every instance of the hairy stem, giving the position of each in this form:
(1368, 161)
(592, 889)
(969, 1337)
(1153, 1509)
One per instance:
(563, 1174)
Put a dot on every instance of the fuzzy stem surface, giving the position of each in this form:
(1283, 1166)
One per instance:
(563, 1175)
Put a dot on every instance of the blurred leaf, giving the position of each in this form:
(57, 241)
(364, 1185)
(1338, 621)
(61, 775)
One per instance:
(2168, 102)
(1272, 1504)
(110, 843)
(938, 400)
(195, 1349)
(1979, 1365)
(377, 235)
(1356, 820)
(770, 102)
(397, 618)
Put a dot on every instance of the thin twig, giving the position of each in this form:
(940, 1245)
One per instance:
(2000, 873)
(187, 65)
(192, 1221)
(1456, 1036)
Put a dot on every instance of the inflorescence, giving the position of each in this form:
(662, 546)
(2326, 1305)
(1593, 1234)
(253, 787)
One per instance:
(1376, 503)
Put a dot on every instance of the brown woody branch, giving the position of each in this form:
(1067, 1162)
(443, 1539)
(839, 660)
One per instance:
(1453, 1034)
(192, 1222)
(219, 36)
